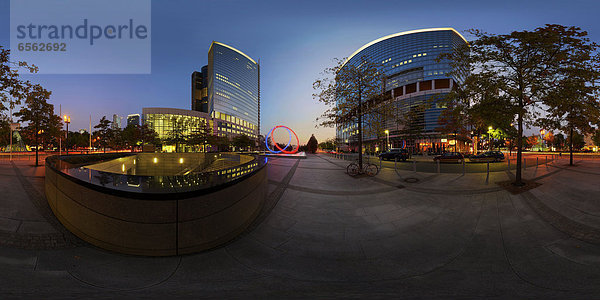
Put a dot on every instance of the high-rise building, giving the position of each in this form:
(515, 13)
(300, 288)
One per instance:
(414, 78)
(228, 89)
(200, 90)
(116, 123)
(225, 95)
(133, 119)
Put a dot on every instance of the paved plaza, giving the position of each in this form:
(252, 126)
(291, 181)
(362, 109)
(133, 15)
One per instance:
(401, 234)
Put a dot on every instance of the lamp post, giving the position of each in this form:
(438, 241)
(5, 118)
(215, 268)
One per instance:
(542, 133)
(489, 136)
(387, 135)
(67, 120)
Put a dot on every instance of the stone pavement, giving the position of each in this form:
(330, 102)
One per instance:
(322, 233)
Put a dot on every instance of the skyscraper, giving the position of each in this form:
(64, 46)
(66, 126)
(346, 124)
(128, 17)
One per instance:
(116, 123)
(133, 119)
(200, 90)
(228, 89)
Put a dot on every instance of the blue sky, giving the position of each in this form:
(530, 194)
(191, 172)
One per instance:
(294, 40)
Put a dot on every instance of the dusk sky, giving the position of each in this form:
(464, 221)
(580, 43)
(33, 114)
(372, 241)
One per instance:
(294, 40)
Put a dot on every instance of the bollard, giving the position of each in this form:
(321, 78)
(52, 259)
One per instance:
(537, 161)
(438, 166)
(487, 177)
(524, 163)
(464, 167)
(509, 163)
(546, 160)
(379, 163)
(395, 163)
(414, 165)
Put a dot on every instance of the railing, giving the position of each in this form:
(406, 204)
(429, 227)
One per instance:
(428, 165)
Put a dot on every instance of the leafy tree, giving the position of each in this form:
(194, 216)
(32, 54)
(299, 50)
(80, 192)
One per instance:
(559, 141)
(4, 130)
(13, 90)
(312, 144)
(103, 134)
(39, 115)
(573, 105)
(77, 139)
(242, 141)
(351, 91)
(148, 135)
(596, 137)
(329, 144)
(199, 137)
(412, 123)
(221, 142)
(520, 69)
(132, 136)
(576, 141)
(176, 136)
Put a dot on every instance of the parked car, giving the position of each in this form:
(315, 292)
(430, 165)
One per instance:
(395, 153)
(490, 156)
(450, 157)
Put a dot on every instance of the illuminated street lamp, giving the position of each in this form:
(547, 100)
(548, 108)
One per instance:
(387, 134)
(542, 133)
(489, 136)
(67, 120)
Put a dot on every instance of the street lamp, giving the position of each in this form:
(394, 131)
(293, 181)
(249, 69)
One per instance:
(489, 136)
(67, 120)
(542, 133)
(387, 134)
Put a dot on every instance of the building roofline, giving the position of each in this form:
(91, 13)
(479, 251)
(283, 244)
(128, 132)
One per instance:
(399, 34)
(236, 50)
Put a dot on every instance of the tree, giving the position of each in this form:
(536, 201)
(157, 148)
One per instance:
(412, 123)
(596, 137)
(13, 90)
(242, 141)
(520, 70)
(199, 137)
(132, 136)
(329, 144)
(39, 115)
(148, 135)
(573, 105)
(221, 142)
(4, 130)
(103, 134)
(312, 144)
(176, 136)
(559, 141)
(350, 91)
(576, 141)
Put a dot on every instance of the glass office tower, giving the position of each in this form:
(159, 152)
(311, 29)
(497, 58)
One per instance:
(233, 88)
(200, 90)
(413, 78)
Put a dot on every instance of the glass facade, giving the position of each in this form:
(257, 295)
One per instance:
(200, 90)
(233, 88)
(414, 77)
(168, 121)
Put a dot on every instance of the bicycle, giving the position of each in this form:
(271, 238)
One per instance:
(368, 168)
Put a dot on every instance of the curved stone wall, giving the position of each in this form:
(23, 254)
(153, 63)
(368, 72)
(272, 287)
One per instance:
(155, 225)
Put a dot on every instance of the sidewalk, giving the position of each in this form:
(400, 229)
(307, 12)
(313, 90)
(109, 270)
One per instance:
(324, 234)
